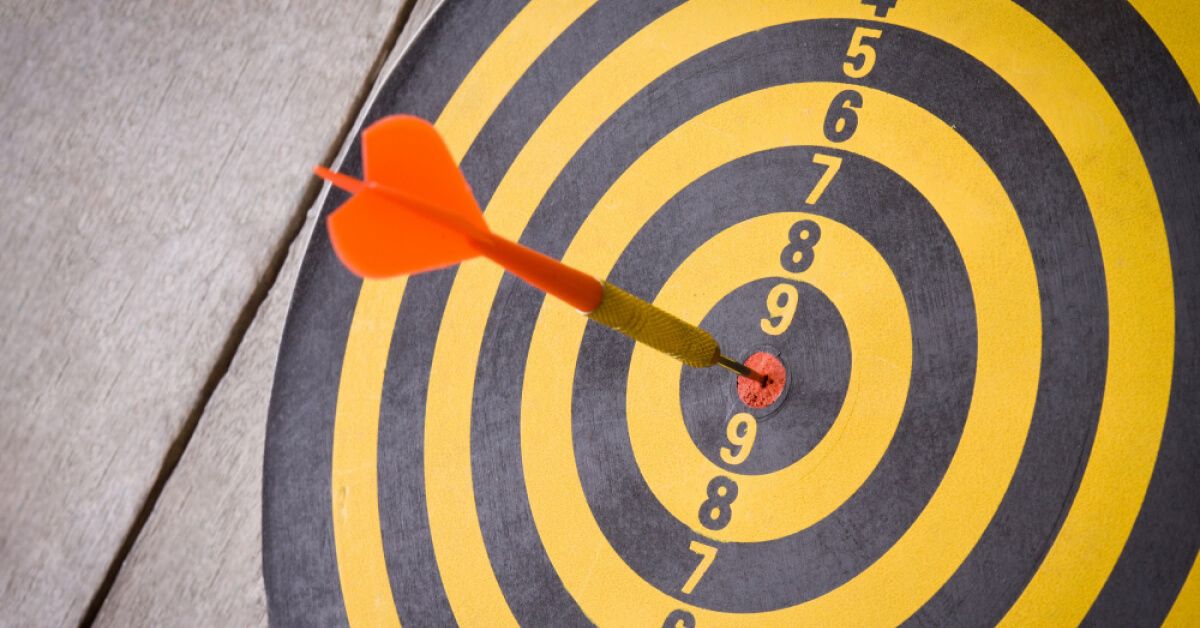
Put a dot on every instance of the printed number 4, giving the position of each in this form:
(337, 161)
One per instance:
(881, 6)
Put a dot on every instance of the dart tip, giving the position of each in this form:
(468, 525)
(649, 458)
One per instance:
(742, 370)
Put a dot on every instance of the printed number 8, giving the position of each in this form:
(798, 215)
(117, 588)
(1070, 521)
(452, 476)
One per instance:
(717, 510)
(797, 256)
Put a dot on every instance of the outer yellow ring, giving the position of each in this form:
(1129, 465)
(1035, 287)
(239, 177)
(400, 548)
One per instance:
(1174, 22)
(358, 540)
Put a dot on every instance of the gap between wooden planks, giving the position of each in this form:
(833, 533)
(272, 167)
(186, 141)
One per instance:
(204, 536)
(155, 155)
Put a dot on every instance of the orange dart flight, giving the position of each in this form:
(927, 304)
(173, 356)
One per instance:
(415, 212)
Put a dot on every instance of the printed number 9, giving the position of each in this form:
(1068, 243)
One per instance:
(741, 430)
(781, 305)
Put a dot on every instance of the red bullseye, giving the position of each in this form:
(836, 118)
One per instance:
(757, 395)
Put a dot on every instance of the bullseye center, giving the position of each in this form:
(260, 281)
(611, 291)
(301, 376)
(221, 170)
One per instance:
(756, 395)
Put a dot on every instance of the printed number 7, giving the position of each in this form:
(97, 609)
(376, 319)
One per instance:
(707, 554)
(832, 165)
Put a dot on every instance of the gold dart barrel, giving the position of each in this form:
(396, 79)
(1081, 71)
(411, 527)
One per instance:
(650, 325)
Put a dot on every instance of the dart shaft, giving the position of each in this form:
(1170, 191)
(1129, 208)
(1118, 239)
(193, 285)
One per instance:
(578, 289)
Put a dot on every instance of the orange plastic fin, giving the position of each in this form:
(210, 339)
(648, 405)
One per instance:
(407, 202)
(377, 239)
(413, 212)
(406, 154)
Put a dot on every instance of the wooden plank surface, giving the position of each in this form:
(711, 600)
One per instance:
(154, 157)
(198, 561)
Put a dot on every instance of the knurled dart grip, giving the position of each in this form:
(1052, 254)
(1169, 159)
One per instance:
(650, 325)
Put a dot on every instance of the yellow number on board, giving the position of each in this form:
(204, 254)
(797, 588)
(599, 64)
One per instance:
(861, 50)
(741, 430)
(781, 306)
(832, 164)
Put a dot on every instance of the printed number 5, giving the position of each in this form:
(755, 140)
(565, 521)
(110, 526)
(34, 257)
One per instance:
(861, 50)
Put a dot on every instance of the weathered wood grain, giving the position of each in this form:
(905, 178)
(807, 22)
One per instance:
(198, 561)
(154, 154)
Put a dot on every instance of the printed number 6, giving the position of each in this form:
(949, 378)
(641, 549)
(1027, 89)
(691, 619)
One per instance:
(841, 121)
(680, 619)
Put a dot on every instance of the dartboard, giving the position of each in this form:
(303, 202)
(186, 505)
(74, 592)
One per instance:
(966, 234)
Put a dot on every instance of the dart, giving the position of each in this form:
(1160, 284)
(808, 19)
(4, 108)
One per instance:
(415, 212)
